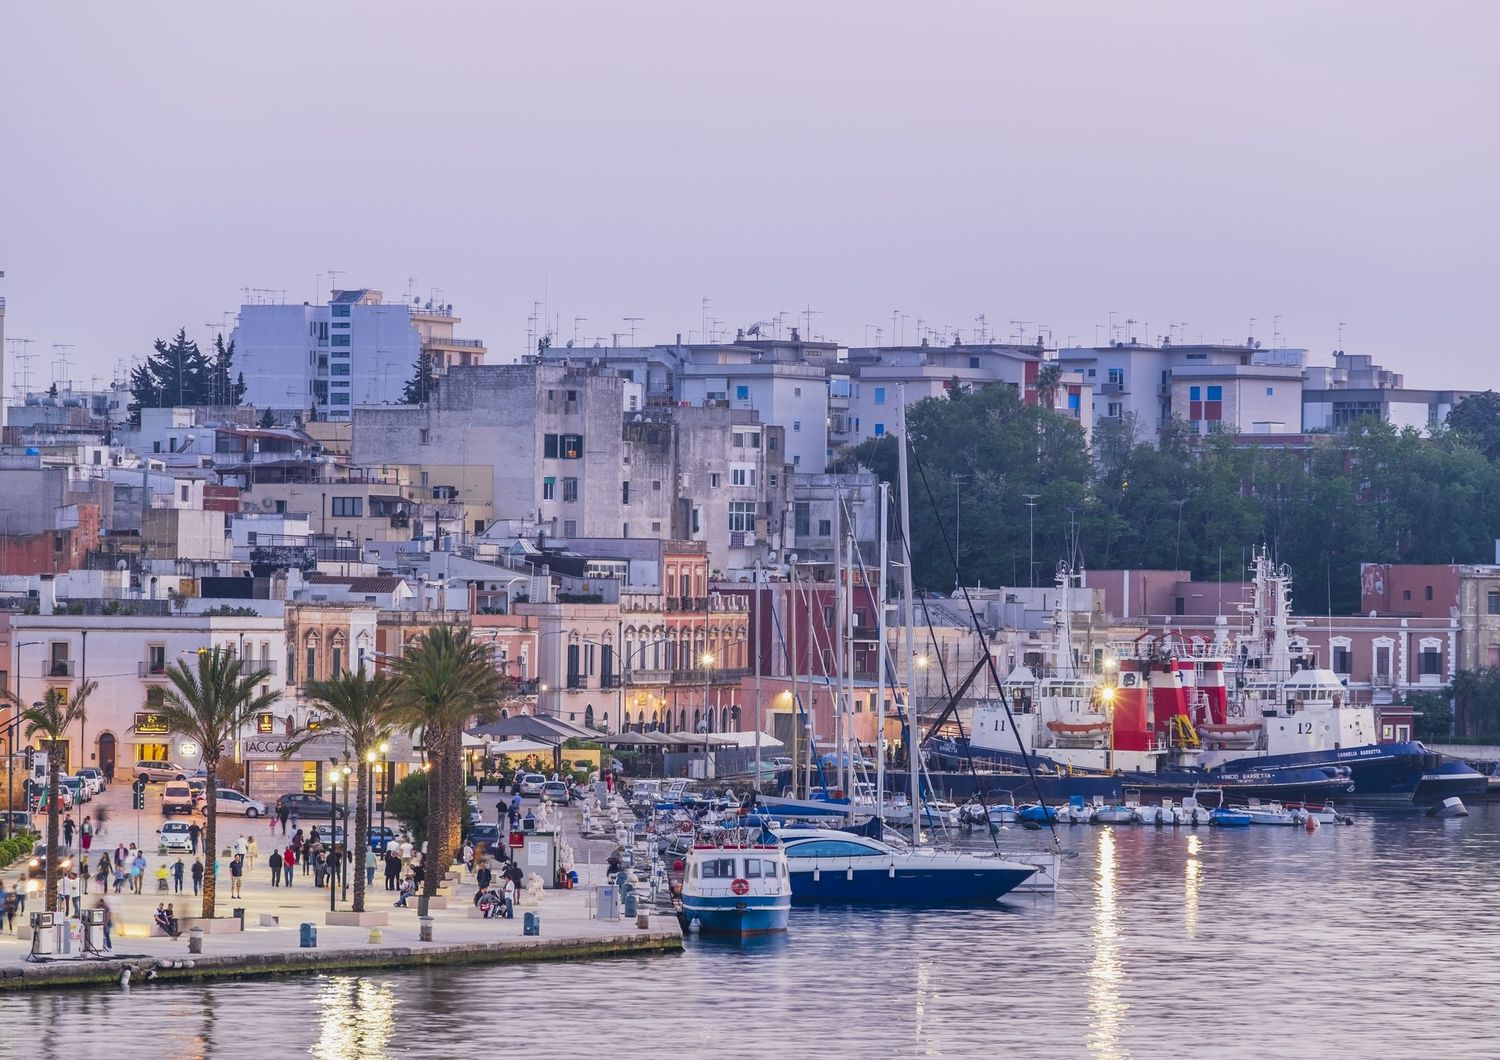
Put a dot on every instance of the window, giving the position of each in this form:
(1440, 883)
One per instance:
(549, 489)
(796, 391)
(713, 480)
(312, 663)
(570, 446)
(742, 476)
(1215, 393)
(341, 340)
(338, 398)
(656, 485)
(1406, 594)
(880, 395)
(338, 661)
(973, 362)
(1343, 659)
(829, 848)
(156, 658)
(796, 425)
(183, 493)
(348, 507)
(693, 520)
(570, 528)
(339, 309)
(880, 430)
(802, 518)
(423, 435)
(773, 481)
(1429, 662)
(1493, 601)
(344, 325)
(1117, 376)
(825, 528)
(771, 443)
(718, 869)
(1195, 393)
(549, 446)
(570, 489)
(625, 496)
(741, 516)
(1270, 391)
(742, 393)
(341, 369)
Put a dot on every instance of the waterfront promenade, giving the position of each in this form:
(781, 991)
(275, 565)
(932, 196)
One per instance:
(264, 948)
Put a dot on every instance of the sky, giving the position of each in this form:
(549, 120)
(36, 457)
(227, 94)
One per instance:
(862, 165)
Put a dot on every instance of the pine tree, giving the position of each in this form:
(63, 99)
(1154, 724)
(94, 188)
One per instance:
(177, 373)
(223, 387)
(420, 386)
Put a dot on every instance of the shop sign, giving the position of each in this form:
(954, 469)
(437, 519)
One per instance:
(151, 725)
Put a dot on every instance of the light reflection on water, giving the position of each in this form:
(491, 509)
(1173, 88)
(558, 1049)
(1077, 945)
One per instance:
(1347, 942)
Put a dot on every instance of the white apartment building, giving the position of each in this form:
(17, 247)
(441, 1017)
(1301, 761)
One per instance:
(1355, 388)
(355, 350)
(128, 656)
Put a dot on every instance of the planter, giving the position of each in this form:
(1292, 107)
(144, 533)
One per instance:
(347, 918)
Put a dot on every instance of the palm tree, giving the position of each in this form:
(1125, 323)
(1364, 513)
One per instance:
(50, 718)
(363, 708)
(1048, 379)
(210, 704)
(445, 678)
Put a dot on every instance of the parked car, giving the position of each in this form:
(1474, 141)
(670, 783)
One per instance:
(198, 785)
(150, 771)
(76, 787)
(381, 836)
(488, 836)
(309, 807)
(20, 820)
(558, 792)
(176, 797)
(230, 801)
(94, 778)
(173, 837)
(531, 783)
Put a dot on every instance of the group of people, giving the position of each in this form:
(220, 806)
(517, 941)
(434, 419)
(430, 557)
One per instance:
(320, 859)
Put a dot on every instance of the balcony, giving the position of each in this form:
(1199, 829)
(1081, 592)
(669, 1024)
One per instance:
(575, 682)
(59, 668)
(648, 677)
(151, 669)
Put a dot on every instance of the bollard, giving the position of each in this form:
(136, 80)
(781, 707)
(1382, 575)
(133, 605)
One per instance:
(643, 921)
(424, 933)
(532, 925)
(195, 939)
(308, 936)
(376, 936)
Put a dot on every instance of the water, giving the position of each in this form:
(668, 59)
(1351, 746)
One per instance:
(1375, 940)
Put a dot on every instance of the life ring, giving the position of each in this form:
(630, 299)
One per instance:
(740, 887)
(685, 827)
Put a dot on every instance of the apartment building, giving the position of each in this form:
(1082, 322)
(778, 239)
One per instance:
(1356, 388)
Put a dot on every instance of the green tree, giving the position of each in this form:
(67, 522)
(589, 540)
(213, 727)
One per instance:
(224, 386)
(445, 680)
(407, 802)
(419, 387)
(363, 708)
(1477, 416)
(1048, 380)
(50, 718)
(1434, 715)
(210, 703)
(177, 373)
(1476, 703)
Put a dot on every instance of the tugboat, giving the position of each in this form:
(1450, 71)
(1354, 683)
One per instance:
(736, 886)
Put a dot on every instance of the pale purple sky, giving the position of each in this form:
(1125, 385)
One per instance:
(1199, 162)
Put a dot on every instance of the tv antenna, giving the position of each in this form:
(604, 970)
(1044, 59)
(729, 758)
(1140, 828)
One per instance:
(632, 321)
(1342, 325)
(576, 322)
(333, 280)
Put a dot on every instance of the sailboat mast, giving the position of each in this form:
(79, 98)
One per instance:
(911, 625)
(836, 644)
(759, 712)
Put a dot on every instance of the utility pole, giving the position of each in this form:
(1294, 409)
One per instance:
(1031, 511)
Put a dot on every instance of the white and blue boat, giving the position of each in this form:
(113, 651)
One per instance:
(736, 888)
(843, 867)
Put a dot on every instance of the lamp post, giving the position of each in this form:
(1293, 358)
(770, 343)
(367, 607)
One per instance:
(385, 782)
(707, 659)
(10, 737)
(333, 785)
(345, 853)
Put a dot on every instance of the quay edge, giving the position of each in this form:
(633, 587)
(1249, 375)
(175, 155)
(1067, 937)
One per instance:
(65, 974)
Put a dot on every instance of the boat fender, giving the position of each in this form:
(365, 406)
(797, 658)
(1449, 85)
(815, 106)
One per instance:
(891, 873)
(849, 874)
(817, 875)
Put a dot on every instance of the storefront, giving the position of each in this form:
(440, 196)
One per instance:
(151, 740)
(270, 774)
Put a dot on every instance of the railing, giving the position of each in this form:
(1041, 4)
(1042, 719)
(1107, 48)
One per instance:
(471, 344)
(575, 682)
(648, 677)
(55, 668)
(151, 669)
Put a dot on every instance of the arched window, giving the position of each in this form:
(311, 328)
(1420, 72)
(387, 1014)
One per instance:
(724, 719)
(588, 716)
(311, 644)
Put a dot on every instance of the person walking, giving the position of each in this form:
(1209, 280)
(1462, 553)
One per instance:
(83, 872)
(250, 853)
(369, 866)
(236, 874)
(86, 833)
(288, 864)
(101, 877)
(119, 877)
(13, 899)
(68, 829)
(178, 868)
(109, 922)
(241, 848)
(275, 862)
(161, 879)
(194, 833)
(138, 873)
(197, 875)
(281, 815)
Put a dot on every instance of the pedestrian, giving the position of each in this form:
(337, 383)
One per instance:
(197, 875)
(288, 864)
(161, 879)
(67, 893)
(178, 869)
(109, 772)
(194, 832)
(241, 848)
(101, 877)
(275, 862)
(281, 815)
(250, 853)
(13, 899)
(86, 832)
(120, 854)
(482, 880)
(294, 818)
(236, 873)
(392, 868)
(119, 877)
(369, 866)
(318, 864)
(109, 922)
(83, 872)
(514, 874)
(407, 889)
(138, 872)
(68, 829)
(418, 874)
(468, 855)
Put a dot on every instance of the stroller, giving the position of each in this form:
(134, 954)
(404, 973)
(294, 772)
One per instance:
(495, 906)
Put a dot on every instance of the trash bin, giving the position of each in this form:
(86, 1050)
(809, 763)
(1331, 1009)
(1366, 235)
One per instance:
(631, 903)
(195, 939)
(308, 936)
(532, 925)
(605, 905)
(424, 931)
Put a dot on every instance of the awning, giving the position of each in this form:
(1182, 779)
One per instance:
(518, 747)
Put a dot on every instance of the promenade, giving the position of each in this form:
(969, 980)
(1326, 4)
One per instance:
(270, 941)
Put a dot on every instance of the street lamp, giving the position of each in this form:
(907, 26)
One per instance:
(385, 782)
(333, 793)
(707, 659)
(10, 736)
(344, 854)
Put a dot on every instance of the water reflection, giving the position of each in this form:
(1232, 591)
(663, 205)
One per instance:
(357, 1018)
(1105, 974)
(1193, 879)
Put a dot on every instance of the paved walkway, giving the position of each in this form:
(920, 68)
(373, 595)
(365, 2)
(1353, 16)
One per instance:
(565, 917)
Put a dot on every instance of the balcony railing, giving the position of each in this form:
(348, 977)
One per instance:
(58, 668)
(151, 669)
(648, 677)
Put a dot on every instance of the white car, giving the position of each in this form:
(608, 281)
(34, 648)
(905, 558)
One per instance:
(173, 837)
(531, 783)
(232, 802)
(93, 776)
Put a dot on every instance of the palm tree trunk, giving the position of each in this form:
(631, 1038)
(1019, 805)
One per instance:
(436, 801)
(54, 776)
(361, 833)
(210, 833)
(458, 807)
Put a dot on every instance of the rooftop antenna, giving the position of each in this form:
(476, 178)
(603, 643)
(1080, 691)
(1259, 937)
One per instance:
(576, 322)
(632, 321)
(1276, 331)
(23, 364)
(60, 363)
(981, 332)
(411, 283)
(1130, 323)
(703, 317)
(1112, 333)
(333, 280)
(1342, 325)
(1020, 332)
(1252, 328)
(807, 314)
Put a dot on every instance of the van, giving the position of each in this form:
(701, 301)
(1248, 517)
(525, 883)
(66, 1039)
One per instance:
(176, 797)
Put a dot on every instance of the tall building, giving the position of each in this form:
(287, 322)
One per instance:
(1355, 388)
(355, 350)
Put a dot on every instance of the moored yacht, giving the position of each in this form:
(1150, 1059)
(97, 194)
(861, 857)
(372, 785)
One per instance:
(833, 866)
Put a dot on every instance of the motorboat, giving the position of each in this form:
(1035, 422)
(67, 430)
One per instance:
(975, 813)
(834, 866)
(1452, 806)
(736, 888)
(935, 813)
(1272, 813)
(1124, 812)
(1323, 813)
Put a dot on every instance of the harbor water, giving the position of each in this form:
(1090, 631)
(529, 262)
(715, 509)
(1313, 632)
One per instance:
(1372, 940)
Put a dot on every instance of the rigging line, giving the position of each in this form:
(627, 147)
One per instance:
(957, 720)
(988, 655)
(791, 669)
